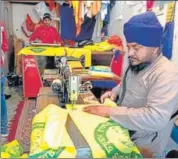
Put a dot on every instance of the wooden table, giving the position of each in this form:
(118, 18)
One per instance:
(46, 97)
(85, 76)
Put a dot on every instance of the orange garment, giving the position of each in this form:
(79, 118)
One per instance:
(77, 13)
(96, 6)
(116, 42)
(93, 7)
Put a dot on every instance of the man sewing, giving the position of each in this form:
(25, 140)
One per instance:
(46, 34)
(148, 94)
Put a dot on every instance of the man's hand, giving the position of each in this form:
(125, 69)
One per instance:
(108, 94)
(98, 110)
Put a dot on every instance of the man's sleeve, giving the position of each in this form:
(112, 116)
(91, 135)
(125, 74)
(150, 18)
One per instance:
(116, 90)
(57, 37)
(35, 35)
(161, 103)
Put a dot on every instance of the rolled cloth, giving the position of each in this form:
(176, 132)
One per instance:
(144, 29)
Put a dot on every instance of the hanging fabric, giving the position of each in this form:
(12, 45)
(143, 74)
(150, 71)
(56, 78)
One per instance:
(167, 42)
(96, 6)
(104, 9)
(77, 14)
(107, 17)
(51, 5)
(96, 37)
(28, 26)
(87, 29)
(41, 9)
(92, 8)
(68, 27)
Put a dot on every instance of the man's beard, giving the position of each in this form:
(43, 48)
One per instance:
(137, 68)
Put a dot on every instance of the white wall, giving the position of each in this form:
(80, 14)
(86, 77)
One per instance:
(116, 24)
(19, 12)
(175, 41)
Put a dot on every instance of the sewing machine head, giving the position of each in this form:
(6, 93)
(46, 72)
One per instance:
(70, 85)
(69, 89)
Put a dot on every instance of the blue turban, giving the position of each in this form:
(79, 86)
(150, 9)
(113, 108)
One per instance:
(144, 29)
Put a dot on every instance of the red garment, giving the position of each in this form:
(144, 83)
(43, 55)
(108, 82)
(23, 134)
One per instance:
(46, 34)
(117, 63)
(149, 5)
(115, 40)
(28, 26)
(4, 42)
(51, 4)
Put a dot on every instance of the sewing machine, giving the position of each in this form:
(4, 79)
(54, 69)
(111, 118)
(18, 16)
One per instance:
(69, 86)
(32, 81)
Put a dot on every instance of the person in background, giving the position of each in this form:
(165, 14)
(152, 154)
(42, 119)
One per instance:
(3, 49)
(148, 94)
(46, 34)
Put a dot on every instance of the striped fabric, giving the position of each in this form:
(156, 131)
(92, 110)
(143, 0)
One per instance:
(167, 42)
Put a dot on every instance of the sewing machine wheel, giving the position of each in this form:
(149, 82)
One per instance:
(64, 60)
(57, 86)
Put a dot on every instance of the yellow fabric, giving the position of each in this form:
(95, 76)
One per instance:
(5, 155)
(80, 107)
(170, 13)
(110, 103)
(77, 14)
(58, 51)
(75, 107)
(49, 138)
(43, 51)
(74, 64)
(102, 46)
(24, 156)
(13, 148)
(55, 121)
(105, 138)
(78, 52)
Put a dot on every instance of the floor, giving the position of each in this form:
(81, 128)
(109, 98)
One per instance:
(12, 103)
